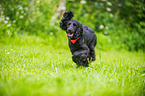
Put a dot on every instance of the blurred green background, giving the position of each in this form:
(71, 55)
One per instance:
(119, 24)
(35, 58)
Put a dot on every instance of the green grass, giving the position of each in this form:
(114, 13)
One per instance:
(32, 66)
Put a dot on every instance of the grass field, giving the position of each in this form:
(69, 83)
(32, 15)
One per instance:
(32, 66)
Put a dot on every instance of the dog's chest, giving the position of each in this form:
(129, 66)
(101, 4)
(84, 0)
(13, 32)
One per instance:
(76, 46)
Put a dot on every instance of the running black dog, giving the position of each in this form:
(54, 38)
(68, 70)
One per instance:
(82, 39)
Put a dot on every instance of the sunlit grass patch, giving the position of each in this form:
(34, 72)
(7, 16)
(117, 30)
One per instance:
(41, 69)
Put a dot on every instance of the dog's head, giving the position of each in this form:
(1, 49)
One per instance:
(67, 16)
(74, 29)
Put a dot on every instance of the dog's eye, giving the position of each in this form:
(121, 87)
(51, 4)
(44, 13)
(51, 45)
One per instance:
(69, 23)
(74, 25)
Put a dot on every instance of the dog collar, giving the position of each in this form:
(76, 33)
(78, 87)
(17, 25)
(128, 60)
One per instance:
(74, 41)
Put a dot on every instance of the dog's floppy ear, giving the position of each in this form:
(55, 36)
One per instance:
(67, 16)
(80, 29)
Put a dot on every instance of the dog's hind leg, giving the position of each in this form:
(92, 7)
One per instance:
(92, 49)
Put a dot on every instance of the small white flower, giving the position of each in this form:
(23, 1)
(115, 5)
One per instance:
(5, 50)
(101, 4)
(14, 21)
(101, 27)
(19, 5)
(8, 52)
(8, 25)
(11, 49)
(83, 2)
(17, 13)
(109, 3)
(21, 8)
(26, 8)
(7, 18)
(106, 33)
(21, 16)
(22, 12)
(119, 4)
(108, 9)
(37, 1)
(5, 22)
(107, 27)
(51, 33)
(111, 15)
(96, 3)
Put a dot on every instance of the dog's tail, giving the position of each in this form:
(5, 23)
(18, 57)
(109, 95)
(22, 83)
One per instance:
(67, 16)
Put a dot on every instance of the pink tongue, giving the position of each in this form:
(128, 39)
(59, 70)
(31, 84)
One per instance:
(70, 34)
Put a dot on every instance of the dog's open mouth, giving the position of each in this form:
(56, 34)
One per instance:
(70, 35)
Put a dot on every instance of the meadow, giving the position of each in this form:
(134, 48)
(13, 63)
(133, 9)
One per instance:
(32, 65)
(35, 59)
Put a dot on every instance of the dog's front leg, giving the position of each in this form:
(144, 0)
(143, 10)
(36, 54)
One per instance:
(85, 56)
(76, 59)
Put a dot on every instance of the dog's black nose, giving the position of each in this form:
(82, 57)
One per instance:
(69, 30)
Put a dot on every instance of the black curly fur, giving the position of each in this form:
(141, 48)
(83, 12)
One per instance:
(67, 16)
(83, 49)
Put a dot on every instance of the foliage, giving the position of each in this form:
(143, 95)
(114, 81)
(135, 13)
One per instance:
(30, 65)
(134, 23)
(35, 58)
(32, 16)
(123, 20)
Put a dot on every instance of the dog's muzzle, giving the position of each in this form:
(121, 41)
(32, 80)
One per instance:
(70, 30)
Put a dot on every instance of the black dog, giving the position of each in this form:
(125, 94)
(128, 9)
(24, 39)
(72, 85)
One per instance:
(82, 39)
